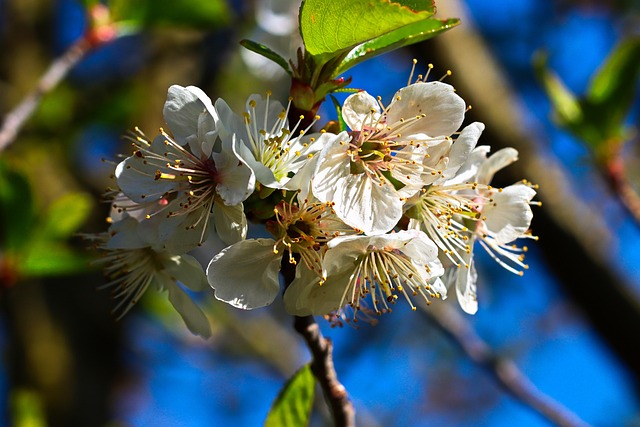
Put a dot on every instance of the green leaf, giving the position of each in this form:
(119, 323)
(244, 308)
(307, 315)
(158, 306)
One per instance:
(293, 405)
(263, 50)
(17, 214)
(66, 215)
(563, 100)
(405, 36)
(329, 27)
(204, 14)
(612, 89)
(49, 258)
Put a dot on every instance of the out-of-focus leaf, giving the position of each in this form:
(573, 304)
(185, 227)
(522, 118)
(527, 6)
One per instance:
(206, 14)
(66, 215)
(293, 405)
(405, 36)
(563, 100)
(263, 50)
(329, 27)
(16, 208)
(612, 89)
(51, 258)
(27, 409)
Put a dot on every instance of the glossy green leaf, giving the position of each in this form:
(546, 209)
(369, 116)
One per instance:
(293, 405)
(329, 27)
(65, 215)
(263, 50)
(17, 213)
(405, 36)
(205, 14)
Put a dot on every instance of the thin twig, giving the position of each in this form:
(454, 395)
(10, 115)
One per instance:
(503, 369)
(321, 348)
(58, 69)
(322, 367)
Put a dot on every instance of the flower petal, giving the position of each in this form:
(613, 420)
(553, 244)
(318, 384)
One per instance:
(236, 180)
(509, 216)
(245, 275)
(360, 110)
(230, 222)
(443, 109)
(182, 111)
(462, 148)
(192, 315)
(188, 271)
(498, 160)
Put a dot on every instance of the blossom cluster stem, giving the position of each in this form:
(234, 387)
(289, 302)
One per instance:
(59, 68)
(504, 370)
(323, 369)
(322, 366)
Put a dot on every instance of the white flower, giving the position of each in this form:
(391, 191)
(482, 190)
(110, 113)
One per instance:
(193, 167)
(266, 144)
(463, 209)
(245, 274)
(389, 155)
(140, 254)
(383, 266)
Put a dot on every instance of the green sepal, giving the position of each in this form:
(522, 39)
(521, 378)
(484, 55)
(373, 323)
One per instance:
(265, 51)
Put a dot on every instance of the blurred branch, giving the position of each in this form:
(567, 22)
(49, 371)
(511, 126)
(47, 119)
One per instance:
(503, 369)
(615, 173)
(100, 30)
(573, 237)
(59, 68)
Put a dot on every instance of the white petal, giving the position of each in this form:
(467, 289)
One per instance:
(466, 285)
(498, 160)
(444, 109)
(509, 216)
(263, 174)
(366, 205)
(236, 180)
(182, 111)
(462, 148)
(192, 315)
(360, 110)
(305, 296)
(245, 275)
(230, 222)
(332, 165)
(188, 271)
(136, 180)
(124, 235)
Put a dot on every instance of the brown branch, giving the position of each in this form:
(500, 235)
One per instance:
(503, 369)
(321, 349)
(59, 68)
(322, 367)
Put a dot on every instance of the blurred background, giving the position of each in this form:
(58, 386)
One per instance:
(571, 324)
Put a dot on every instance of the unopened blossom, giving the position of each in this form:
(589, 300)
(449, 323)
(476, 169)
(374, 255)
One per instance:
(465, 208)
(389, 155)
(139, 253)
(266, 143)
(245, 274)
(378, 268)
(191, 166)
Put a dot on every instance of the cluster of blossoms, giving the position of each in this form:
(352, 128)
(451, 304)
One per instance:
(390, 207)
